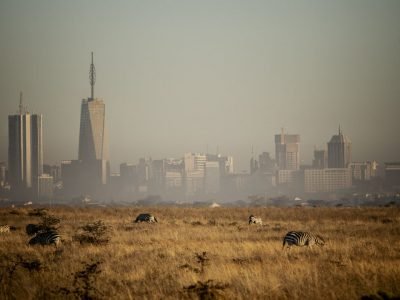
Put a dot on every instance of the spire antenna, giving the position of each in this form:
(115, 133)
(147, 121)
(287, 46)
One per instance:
(21, 107)
(92, 77)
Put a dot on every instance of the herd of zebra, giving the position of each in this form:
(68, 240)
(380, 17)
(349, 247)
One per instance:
(50, 236)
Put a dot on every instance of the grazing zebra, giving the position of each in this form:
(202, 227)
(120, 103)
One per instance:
(46, 238)
(32, 229)
(299, 238)
(254, 220)
(4, 228)
(149, 218)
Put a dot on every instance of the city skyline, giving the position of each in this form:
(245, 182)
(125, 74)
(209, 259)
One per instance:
(190, 77)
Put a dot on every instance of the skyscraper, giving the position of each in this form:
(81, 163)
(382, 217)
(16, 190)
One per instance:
(93, 137)
(25, 149)
(339, 151)
(320, 160)
(287, 152)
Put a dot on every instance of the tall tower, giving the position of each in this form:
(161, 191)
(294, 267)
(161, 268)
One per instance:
(287, 152)
(339, 151)
(25, 148)
(93, 137)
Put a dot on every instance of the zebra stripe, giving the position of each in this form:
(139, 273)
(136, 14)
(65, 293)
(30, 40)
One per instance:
(4, 228)
(300, 238)
(149, 218)
(255, 220)
(46, 238)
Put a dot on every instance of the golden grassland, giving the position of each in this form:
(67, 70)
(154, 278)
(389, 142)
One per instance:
(165, 260)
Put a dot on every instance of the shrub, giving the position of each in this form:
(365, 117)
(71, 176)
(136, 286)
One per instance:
(38, 212)
(94, 233)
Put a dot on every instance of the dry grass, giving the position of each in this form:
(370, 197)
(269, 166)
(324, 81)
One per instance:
(205, 253)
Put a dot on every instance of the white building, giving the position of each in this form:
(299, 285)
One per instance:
(363, 171)
(327, 180)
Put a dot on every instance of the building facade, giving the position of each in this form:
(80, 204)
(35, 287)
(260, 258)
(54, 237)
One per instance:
(25, 149)
(45, 187)
(287, 151)
(93, 139)
(327, 180)
(339, 151)
(320, 160)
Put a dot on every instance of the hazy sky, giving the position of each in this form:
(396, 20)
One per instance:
(180, 76)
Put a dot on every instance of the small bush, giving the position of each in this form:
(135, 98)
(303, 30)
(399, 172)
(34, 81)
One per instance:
(207, 290)
(94, 233)
(83, 286)
(48, 221)
(38, 212)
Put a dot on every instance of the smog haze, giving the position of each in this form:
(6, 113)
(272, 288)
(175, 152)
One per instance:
(205, 76)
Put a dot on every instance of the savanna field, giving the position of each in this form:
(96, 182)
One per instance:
(202, 253)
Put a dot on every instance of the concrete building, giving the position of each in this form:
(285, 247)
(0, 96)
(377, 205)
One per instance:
(225, 163)
(287, 153)
(45, 187)
(53, 170)
(128, 177)
(266, 163)
(93, 137)
(174, 174)
(3, 170)
(25, 149)
(286, 176)
(320, 160)
(195, 162)
(327, 180)
(212, 177)
(173, 180)
(194, 172)
(392, 175)
(71, 177)
(339, 151)
(363, 171)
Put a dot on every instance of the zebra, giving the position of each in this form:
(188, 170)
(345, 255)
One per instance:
(300, 238)
(46, 238)
(5, 228)
(32, 229)
(254, 220)
(149, 218)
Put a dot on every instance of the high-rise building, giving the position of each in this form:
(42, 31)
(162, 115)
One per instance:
(339, 151)
(287, 152)
(3, 170)
(267, 164)
(194, 172)
(25, 149)
(320, 160)
(93, 137)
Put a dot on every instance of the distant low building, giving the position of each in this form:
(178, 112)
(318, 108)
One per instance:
(45, 187)
(363, 171)
(286, 176)
(327, 180)
(392, 174)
